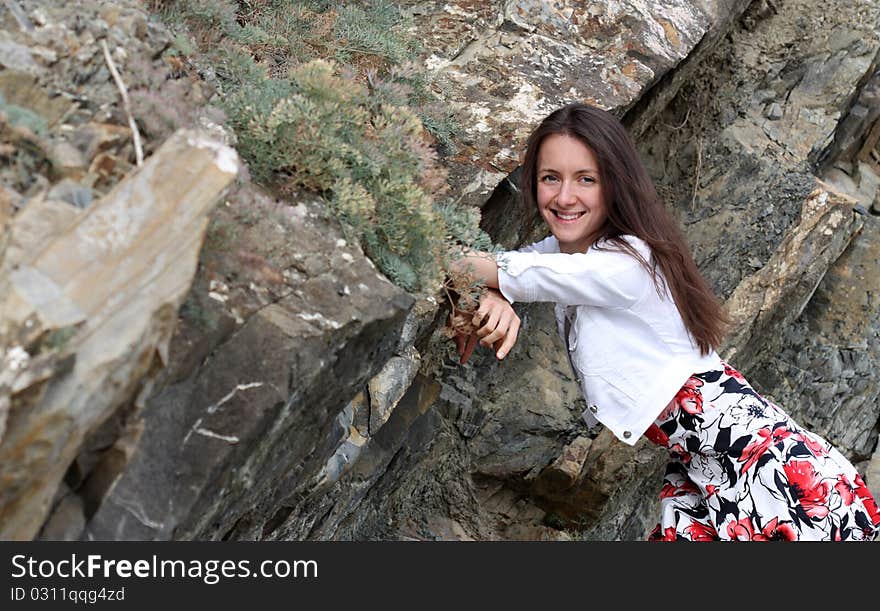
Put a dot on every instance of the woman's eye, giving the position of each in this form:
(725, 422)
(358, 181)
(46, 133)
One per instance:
(588, 179)
(548, 178)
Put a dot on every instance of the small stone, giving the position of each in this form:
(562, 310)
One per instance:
(71, 192)
(774, 112)
(68, 160)
(18, 57)
(38, 16)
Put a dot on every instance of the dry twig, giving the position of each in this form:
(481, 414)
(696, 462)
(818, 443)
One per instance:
(138, 150)
(683, 123)
(697, 173)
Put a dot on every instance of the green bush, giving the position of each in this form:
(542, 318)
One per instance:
(329, 133)
(323, 97)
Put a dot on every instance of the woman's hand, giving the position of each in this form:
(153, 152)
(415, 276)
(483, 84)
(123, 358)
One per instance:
(498, 326)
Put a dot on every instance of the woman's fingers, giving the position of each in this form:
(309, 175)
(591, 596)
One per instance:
(490, 324)
(481, 320)
(500, 330)
(497, 326)
(509, 339)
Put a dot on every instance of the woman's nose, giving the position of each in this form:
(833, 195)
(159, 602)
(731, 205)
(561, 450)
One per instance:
(566, 194)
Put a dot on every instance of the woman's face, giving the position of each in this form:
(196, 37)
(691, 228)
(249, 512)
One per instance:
(570, 196)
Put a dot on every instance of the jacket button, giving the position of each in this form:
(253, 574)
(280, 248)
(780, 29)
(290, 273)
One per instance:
(594, 409)
(627, 434)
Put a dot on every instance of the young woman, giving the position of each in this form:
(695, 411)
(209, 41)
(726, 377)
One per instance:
(642, 327)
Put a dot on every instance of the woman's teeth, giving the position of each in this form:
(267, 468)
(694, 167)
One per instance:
(568, 217)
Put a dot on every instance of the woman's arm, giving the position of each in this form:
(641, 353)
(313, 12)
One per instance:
(479, 265)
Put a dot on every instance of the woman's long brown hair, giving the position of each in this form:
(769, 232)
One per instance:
(634, 208)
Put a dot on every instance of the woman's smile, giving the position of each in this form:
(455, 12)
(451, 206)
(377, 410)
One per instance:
(567, 216)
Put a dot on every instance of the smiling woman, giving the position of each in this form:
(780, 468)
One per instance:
(569, 193)
(642, 327)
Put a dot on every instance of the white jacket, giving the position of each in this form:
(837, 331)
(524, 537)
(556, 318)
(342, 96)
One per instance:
(628, 346)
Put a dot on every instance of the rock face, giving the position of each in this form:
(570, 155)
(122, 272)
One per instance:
(247, 426)
(89, 303)
(830, 352)
(305, 397)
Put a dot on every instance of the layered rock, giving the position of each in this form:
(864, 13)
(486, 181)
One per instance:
(245, 423)
(89, 304)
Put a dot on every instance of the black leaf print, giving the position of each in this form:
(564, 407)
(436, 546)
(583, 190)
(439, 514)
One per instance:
(798, 450)
(700, 512)
(727, 508)
(710, 376)
(802, 513)
(669, 427)
(733, 386)
(782, 484)
(674, 467)
(737, 447)
(722, 440)
(689, 421)
(863, 522)
(729, 469)
(765, 458)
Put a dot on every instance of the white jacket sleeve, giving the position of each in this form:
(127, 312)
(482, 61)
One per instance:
(603, 278)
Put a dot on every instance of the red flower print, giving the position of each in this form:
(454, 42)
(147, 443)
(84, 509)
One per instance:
(711, 490)
(752, 452)
(689, 398)
(667, 412)
(683, 455)
(733, 373)
(844, 489)
(665, 535)
(741, 530)
(776, 531)
(656, 434)
(701, 532)
(813, 446)
(686, 487)
(808, 487)
(867, 500)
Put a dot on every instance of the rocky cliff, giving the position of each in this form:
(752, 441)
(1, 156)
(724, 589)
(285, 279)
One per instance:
(269, 383)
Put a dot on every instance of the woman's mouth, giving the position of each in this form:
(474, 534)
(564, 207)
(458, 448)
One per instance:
(567, 217)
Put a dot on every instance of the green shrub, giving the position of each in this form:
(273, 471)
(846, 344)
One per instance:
(323, 97)
(327, 132)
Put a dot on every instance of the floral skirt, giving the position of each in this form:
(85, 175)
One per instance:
(741, 469)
